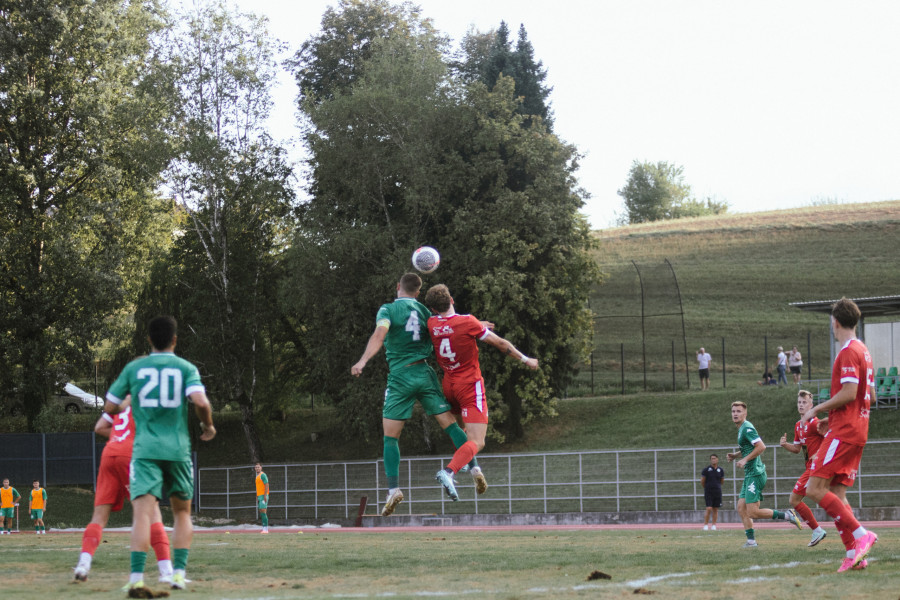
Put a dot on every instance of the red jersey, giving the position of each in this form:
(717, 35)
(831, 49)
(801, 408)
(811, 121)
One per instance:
(455, 345)
(807, 434)
(850, 422)
(121, 438)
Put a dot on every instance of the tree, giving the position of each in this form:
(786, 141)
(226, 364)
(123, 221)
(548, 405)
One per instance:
(657, 191)
(233, 184)
(404, 155)
(83, 137)
(486, 57)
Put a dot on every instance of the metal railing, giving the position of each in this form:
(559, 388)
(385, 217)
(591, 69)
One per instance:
(555, 482)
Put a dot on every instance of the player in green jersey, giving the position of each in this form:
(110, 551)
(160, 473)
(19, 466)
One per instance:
(751, 449)
(401, 327)
(161, 385)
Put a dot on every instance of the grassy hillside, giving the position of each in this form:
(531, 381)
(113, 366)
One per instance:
(737, 275)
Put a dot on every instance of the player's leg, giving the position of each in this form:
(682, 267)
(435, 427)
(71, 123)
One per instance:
(747, 522)
(804, 512)
(159, 541)
(715, 517)
(263, 508)
(143, 508)
(180, 482)
(706, 516)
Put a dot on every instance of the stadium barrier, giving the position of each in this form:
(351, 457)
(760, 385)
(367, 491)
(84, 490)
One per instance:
(556, 482)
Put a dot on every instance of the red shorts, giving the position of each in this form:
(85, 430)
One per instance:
(468, 399)
(112, 481)
(837, 461)
(800, 486)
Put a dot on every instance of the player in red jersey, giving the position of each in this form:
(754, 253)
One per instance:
(807, 439)
(112, 489)
(455, 338)
(837, 462)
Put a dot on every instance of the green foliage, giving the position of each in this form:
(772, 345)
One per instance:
(83, 126)
(655, 192)
(486, 57)
(406, 155)
(231, 185)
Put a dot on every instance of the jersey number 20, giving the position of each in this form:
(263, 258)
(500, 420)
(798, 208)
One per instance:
(167, 381)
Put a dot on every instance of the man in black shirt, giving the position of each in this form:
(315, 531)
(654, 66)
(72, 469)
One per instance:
(711, 479)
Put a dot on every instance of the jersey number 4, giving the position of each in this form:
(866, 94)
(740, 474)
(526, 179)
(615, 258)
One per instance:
(446, 351)
(168, 384)
(412, 326)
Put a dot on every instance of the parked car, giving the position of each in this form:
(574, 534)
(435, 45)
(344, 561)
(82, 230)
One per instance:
(71, 399)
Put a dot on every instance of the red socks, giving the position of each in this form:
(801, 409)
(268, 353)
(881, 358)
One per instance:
(160, 541)
(843, 517)
(806, 514)
(462, 456)
(93, 533)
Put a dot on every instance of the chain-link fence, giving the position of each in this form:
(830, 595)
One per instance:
(591, 481)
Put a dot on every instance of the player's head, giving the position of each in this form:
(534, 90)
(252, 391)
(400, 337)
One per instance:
(162, 331)
(713, 459)
(846, 313)
(438, 298)
(410, 284)
(738, 412)
(258, 468)
(804, 401)
(5, 482)
(36, 484)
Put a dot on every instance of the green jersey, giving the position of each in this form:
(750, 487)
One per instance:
(407, 339)
(747, 437)
(159, 385)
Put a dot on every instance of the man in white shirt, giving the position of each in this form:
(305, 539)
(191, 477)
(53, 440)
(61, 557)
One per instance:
(703, 360)
(781, 365)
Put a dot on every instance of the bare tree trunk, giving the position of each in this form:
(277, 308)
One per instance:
(249, 426)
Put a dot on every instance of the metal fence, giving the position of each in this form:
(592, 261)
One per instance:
(53, 458)
(589, 481)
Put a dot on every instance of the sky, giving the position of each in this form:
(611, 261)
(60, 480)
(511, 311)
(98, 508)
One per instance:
(765, 104)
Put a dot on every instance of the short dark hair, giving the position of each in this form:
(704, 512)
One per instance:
(716, 455)
(162, 331)
(411, 283)
(36, 481)
(438, 298)
(846, 313)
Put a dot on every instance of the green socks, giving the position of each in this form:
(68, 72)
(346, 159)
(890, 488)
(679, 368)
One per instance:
(392, 461)
(265, 520)
(138, 560)
(777, 515)
(179, 558)
(750, 534)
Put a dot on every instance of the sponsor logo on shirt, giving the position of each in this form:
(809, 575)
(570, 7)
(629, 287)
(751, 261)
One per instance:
(441, 330)
(864, 413)
(848, 370)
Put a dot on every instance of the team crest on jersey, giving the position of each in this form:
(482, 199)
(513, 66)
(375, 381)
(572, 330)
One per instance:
(751, 488)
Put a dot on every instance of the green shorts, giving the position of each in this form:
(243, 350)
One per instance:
(37, 513)
(261, 503)
(407, 384)
(752, 490)
(148, 476)
(7, 513)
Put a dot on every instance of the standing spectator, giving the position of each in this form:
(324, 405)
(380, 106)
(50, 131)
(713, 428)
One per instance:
(781, 365)
(795, 362)
(852, 383)
(703, 361)
(37, 504)
(9, 500)
(711, 479)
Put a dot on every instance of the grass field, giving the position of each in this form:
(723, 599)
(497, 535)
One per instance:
(737, 275)
(487, 563)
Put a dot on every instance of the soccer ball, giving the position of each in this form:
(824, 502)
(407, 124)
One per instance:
(426, 259)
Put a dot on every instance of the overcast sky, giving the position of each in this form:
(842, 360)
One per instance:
(766, 104)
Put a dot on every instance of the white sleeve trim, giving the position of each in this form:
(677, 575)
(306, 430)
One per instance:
(487, 332)
(111, 398)
(194, 388)
(106, 417)
(850, 379)
(756, 441)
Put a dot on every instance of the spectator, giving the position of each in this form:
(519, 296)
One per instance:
(781, 365)
(767, 379)
(703, 360)
(795, 362)
(711, 479)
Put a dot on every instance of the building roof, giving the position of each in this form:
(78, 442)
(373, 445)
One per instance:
(876, 306)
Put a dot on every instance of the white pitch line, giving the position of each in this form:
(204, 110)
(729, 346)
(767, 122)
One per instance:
(643, 582)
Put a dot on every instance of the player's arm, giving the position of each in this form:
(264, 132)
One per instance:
(44, 494)
(507, 347)
(703, 480)
(758, 448)
(845, 396)
(103, 426)
(203, 410)
(792, 448)
(373, 347)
